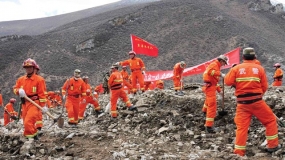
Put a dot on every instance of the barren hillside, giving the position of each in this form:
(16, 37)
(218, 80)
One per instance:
(166, 126)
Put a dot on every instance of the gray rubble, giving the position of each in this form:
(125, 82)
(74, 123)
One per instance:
(166, 126)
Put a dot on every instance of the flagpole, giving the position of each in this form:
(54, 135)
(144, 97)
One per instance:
(132, 42)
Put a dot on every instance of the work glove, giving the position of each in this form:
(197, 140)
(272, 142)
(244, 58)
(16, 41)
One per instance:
(223, 75)
(63, 97)
(22, 92)
(44, 109)
(143, 72)
(83, 100)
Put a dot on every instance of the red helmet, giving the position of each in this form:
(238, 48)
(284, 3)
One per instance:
(29, 63)
(12, 100)
(132, 52)
(277, 65)
(37, 67)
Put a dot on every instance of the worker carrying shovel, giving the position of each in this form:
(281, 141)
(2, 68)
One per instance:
(251, 83)
(31, 86)
(9, 112)
(177, 77)
(211, 77)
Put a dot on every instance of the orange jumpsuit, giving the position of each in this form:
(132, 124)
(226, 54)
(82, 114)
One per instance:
(251, 83)
(204, 109)
(88, 99)
(278, 75)
(75, 89)
(159, 84)
(177, 75)
(35, 90)
(10, 109)
(126, 80)
(57, 100)
(211, 77)
(148, 86)
(115, 84)
(50, 97)
(1, 102)
(137, 66)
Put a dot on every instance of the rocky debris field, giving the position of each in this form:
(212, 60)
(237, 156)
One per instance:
(166, 126)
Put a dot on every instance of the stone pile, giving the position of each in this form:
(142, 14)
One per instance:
(166, 126)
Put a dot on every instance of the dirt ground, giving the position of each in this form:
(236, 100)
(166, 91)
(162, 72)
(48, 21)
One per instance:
(166, 126)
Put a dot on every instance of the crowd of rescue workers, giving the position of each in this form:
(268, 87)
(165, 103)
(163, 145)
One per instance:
(248, 78)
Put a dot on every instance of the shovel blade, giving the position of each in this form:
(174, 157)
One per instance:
(60, 122)
(280, 123)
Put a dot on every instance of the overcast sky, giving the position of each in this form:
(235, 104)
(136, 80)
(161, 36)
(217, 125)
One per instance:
(29, 9)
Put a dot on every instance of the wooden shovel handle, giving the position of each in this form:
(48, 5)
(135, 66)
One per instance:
(223, 95)
(39, 107)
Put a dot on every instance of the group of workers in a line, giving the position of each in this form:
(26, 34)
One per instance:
(248, 78)
(250, 83)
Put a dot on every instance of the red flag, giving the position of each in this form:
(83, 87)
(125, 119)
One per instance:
(141, 46)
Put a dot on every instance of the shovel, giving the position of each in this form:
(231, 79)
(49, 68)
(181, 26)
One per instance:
(223, 112)
(279, 121)
(180, 93)
(59, 120)
(11, 116)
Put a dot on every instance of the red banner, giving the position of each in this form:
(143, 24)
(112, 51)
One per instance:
(141, 46)
(233, 58)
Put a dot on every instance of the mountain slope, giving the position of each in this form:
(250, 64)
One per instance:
(193, 31)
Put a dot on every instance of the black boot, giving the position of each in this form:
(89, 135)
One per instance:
(210, 130)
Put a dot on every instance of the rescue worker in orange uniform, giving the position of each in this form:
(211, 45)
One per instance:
(125, 75)
(50, 99)
(32, 86)
(211, 77)
(138, 70)
(57, 98)
(116, 86)
(97, 91)
(251, 83)
(278, 75)
(73, 90)
(88, 99)
(1, 101)
(159, 84)
(9, 112)
(177, 75)
(148, 85)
